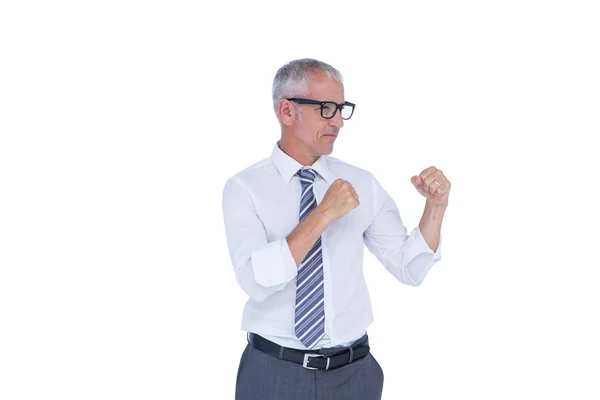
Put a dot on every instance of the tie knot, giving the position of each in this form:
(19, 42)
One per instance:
(307, 175)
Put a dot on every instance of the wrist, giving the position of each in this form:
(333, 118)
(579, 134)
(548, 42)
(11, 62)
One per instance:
(321, 216)
(434, 205)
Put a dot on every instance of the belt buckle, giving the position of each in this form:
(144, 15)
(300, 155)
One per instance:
(306, 359)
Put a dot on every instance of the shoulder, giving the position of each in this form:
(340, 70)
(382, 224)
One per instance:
(364, 181)
(250, 176)
(254, 171)
(349, 171)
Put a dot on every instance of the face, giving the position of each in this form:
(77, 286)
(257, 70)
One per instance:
(317, 134)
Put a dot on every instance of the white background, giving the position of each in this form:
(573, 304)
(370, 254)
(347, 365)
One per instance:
(120, 122)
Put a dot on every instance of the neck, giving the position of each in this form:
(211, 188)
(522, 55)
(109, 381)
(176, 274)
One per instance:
(297, 151)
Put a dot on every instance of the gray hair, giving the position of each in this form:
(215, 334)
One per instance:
(291, 80)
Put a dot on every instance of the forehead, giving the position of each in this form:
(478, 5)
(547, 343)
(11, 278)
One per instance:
(323, 88)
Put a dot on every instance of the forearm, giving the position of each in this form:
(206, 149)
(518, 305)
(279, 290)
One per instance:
(304, 236)
(431, 223)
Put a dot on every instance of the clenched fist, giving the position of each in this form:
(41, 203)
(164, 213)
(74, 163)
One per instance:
(339, 200)
(433, 185)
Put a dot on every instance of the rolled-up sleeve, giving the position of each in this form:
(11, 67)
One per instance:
(261, 267)
(406, 256)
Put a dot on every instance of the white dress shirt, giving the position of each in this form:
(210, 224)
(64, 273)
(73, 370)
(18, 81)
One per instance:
(261, 208)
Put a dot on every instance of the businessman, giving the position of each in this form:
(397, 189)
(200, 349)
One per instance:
(297, 224)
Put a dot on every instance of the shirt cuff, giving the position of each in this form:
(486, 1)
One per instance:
(273, 264)
(424, 247)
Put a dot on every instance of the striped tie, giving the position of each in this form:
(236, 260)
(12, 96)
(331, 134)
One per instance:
(310, 312)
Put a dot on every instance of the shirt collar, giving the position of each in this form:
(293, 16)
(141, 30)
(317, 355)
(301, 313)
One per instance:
(287, 166)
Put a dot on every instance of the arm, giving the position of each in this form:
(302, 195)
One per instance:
(406, 256)
(262, 268)
(301, 240)
(339, 200)
(431, 223)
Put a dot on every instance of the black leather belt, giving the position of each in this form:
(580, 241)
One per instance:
(313, 359)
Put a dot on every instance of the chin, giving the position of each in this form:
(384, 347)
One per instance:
(327, 150)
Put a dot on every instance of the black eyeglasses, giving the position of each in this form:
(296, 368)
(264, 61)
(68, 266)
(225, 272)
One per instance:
(329, 108)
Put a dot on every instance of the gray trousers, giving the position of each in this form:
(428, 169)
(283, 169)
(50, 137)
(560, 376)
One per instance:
(262, 376)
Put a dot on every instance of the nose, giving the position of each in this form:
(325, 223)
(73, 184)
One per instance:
(337, 120)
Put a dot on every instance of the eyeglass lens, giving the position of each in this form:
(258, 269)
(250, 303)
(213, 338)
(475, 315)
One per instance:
(329, 110)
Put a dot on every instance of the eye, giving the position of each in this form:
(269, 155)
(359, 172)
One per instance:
(329, 109)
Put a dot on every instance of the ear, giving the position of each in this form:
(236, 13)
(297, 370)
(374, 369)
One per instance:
(286, 112)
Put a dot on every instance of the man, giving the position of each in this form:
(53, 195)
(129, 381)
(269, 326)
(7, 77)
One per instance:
(296, 225)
